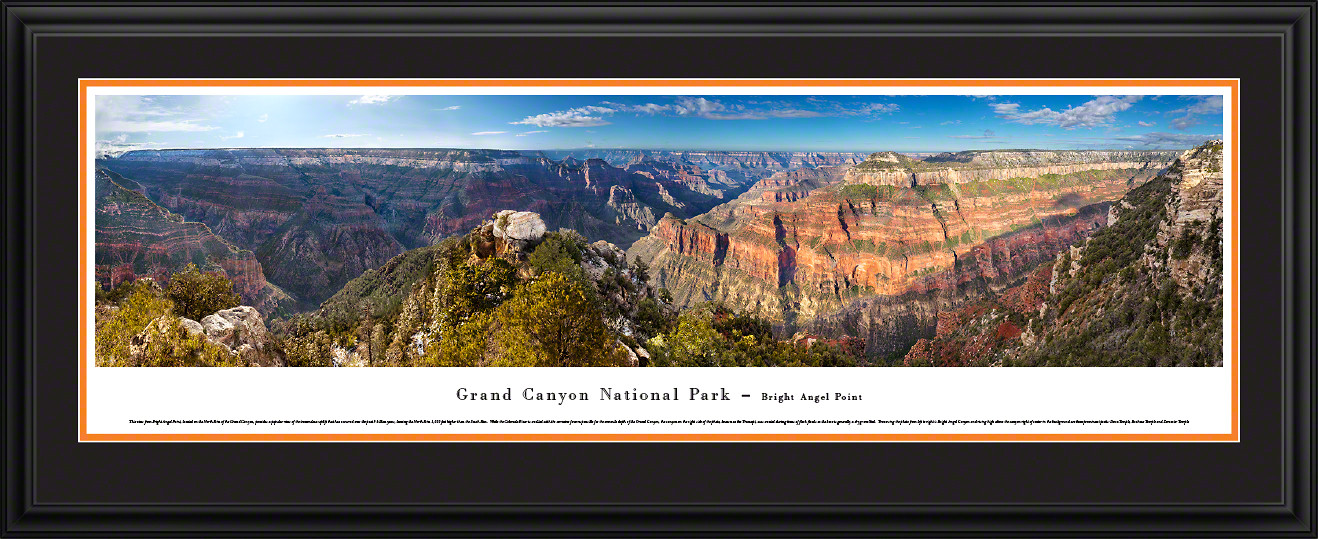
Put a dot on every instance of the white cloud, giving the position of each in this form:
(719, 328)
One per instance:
(1206, 104)
(142, 114)
(1147, 124)
(988, 133)
(454, 107)
(345, 135)
(951, 122)
(531, 133)
(118, 145)
(374, 99)
(716, 110)
(239, 134)
(649, 108)
(705, 108)
(588, 116)
(877, 108)
(1094, 113)
(262, 118)
(1174, 140)
(483, 133)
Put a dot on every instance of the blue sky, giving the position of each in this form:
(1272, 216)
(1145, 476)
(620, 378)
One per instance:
(697, 122)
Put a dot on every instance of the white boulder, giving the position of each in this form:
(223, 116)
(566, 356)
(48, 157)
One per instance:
(519, 228)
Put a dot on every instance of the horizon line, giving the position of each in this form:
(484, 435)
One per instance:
(229, 148)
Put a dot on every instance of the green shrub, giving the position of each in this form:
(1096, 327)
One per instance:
(196, 294)
(145, 302)
(1185, 244)
(858, 192)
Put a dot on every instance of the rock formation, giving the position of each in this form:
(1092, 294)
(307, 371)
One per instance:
(135, 238)
(241, 330)
(316, 218)
(518, 229)
(1146, 290)
(820, 249)
(231, 337)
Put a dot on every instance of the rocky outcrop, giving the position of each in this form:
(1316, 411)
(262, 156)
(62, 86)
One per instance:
(626, 209)
(890, 169)
(407, 333)
(231, 337)
(1194, 209)
(518, 229)
(241, 331)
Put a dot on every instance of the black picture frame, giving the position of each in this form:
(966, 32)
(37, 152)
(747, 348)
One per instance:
(1261, 486)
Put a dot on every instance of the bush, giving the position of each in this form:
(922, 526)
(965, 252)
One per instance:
(1186, 243)
(651, 319)
(858, 192)
(144, 303)
(310, 350)
(553, 322)
(196, 294)
(559, 253)
(470, 288)
(171, 345)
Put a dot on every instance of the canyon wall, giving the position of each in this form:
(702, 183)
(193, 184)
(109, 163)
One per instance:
(715, 159)
(1145, 290)
(316, 218)
(890, 168)
(137, 238)
(820, 250)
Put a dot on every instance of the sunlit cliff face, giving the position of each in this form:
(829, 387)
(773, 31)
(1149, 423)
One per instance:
(803, 244)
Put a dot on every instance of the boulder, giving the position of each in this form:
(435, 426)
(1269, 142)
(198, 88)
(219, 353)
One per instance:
(519, 229)
(194, 327)
(632, 359)
(344, 357)
(242, 331)
(153, 332)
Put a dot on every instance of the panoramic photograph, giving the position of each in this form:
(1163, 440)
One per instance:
(638, 230)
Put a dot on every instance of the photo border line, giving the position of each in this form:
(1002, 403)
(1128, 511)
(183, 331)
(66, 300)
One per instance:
(1233, 436)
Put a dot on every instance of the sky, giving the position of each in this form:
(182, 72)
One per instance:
(869, 123)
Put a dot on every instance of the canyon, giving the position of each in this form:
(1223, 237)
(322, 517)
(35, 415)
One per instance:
(312, 219)
(878, 249)
(1146, 290)
(883, 247)
(136, 238)
(989, 257)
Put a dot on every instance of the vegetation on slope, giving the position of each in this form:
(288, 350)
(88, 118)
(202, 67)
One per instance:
(137, 323)
(1145, 291)
(475, 301)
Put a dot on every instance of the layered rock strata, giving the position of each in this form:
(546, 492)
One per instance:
(318, 217)
(137, 238)
(1146, 290)
(819, 251)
